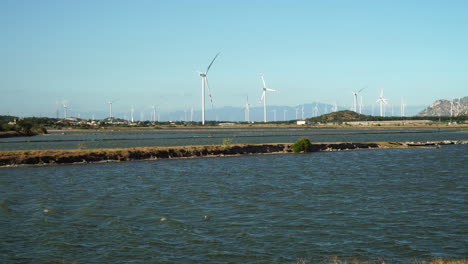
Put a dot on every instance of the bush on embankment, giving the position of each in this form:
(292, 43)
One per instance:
(302, 145)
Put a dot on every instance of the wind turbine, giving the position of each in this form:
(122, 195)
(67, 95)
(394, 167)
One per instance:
(355, 94)
(154, 113)
(264, 98)
(334, 107)
(360, 104)
(110, 102)
(451, 108)
(284, 114)
(132, 112)
(191, 114)
(205, 83)
(65, 108)
(382, 101)
(247, 111)
(402, 108)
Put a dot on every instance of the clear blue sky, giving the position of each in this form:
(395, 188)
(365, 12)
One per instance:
(145, 52)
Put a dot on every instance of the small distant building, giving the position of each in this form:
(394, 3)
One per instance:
(300, 122)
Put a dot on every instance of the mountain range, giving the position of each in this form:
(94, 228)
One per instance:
(455, 107)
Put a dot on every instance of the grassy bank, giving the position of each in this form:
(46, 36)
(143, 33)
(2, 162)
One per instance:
(57, 156)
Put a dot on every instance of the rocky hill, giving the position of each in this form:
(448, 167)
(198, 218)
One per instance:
(444, 107)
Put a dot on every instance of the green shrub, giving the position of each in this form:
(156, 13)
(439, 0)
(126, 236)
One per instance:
(227, 143)
(302, 145)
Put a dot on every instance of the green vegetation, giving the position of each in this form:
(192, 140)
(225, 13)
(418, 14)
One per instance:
(346, 115)
(302, 145)
(227, 143)
(23, 127)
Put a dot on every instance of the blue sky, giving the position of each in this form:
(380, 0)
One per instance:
(144, 53)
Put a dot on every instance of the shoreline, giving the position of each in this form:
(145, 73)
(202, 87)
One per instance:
(16, 158)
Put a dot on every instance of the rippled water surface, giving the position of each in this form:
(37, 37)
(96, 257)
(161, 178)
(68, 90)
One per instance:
(182, 137)
(397, 205)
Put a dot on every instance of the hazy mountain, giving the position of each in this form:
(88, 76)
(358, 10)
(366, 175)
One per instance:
(447, 108)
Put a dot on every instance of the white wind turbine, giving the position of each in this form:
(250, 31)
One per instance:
(361, 104)
(402, 108)
(284, 114)
(264, 98)
(154, 113)
(247, 111)
(110, 102)
(355, 94)
(191, 114)
(382, 101)
(65, 109)
(132, 114)
(205, 84)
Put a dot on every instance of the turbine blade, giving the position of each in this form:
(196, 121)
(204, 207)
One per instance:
(209, 92)
(261, 99)
(263, 80)
(271, 90)
(361, 90)
(209, 66)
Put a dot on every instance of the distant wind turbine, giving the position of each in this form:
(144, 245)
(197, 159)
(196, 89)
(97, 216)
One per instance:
(154, 113)
(110, 102)
(402, 108)
(355, 94)
(247, 111)
(65, 109)
(264, 97)
(316, 110)
(205, 84)
(382, 101)
(361, 105)
(284, 114)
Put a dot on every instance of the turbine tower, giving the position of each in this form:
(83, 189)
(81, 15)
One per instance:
(154, 113)
(110, 102)
(402, 108)
(191, 114)
(65, 108)
(284, 114)
(247, 111)
(360, 104)
(205, 84)
(132, 113)
(382, 101)
(355, 94)
(264, 99)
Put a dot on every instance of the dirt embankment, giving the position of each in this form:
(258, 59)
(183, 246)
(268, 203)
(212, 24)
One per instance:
(49, 157)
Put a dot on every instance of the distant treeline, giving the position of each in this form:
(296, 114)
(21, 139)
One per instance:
(24, 127)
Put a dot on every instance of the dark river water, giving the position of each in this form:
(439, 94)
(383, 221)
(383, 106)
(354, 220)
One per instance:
(395, 204)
